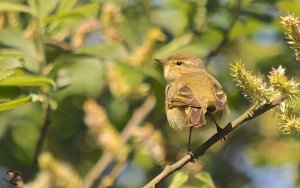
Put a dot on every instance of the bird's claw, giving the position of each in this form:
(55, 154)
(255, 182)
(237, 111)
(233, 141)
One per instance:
(250, 114)
(190, 153)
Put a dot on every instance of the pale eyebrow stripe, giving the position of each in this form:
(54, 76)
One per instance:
(187, 62)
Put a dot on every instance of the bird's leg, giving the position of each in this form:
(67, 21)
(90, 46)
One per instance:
(189, 142)
(189, 152)
(189, 146)
(219, 129)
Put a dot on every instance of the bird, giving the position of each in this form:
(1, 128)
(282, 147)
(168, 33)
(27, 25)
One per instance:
(192, 94)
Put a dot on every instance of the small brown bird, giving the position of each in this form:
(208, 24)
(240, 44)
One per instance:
(192, 94)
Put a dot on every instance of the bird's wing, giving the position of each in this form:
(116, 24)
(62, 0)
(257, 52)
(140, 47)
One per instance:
(181, 97)
(196, 116)
(184, 97)
(220, 96)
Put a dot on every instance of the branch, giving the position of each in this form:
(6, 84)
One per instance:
(109, 178)
(114, 174)
(137, 118)
(41, 141)
(97, 170)
(226, 33)
(251, 113)
(59, 44)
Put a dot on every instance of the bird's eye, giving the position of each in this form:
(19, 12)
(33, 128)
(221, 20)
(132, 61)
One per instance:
(178, 63)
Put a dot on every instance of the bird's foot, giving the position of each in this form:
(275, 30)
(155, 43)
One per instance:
(190, 153)
(250, 114)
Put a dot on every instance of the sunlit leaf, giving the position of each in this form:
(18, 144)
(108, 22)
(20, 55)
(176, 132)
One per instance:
(109, 51)
(15, 53)
(170, 19)
(178, 180)
(206, 179)
(76, 69)
(84, 11)
(243, 29)
(28, 81)
(289, 6)
(174, 45)
(66, 6)
(14, 7)
(46, 7)
(15, 103)
(62, 17)
(33, 5)
(16, 40)
(151, 71)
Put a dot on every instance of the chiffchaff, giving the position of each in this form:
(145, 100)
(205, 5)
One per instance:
(192, 94)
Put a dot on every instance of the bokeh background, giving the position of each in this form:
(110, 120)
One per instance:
(107, 125)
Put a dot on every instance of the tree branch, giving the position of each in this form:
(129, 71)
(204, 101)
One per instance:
(251, 113)
(41, 141)
(59, 44)
(113, 175)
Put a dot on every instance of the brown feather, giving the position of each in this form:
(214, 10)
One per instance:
(220, 98)
(197, 117)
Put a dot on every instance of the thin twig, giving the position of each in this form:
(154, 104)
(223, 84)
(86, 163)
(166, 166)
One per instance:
(59, 44)
(41, 140)
(136, 119)
(251, 113)
(226, 34)
(110, 178)
(97, 170)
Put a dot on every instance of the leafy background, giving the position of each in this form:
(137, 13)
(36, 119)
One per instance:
(61, 54)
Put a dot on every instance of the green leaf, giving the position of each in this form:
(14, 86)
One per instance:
(174, 45)
(8, 92)
(28, 81)
(206, 179)
(14, 7)
(179, 179)
(172, 20)
(288, 6)
(28, 144)
(84, 11)
(88, 10)
(62, 17)
(46, 7)
(66, 6)
(152, 72)
(5, 73)
(16, 53)
(109, 51)
(15, 103)
(17, 40)
(75, 69)
(32, 4)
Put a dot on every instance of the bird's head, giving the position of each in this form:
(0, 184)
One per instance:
(179, 64)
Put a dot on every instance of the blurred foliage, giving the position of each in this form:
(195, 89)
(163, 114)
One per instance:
(65, 53)
(258, 91)
(201, 180)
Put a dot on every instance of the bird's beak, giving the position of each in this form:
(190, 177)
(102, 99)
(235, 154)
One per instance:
(161, 61)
